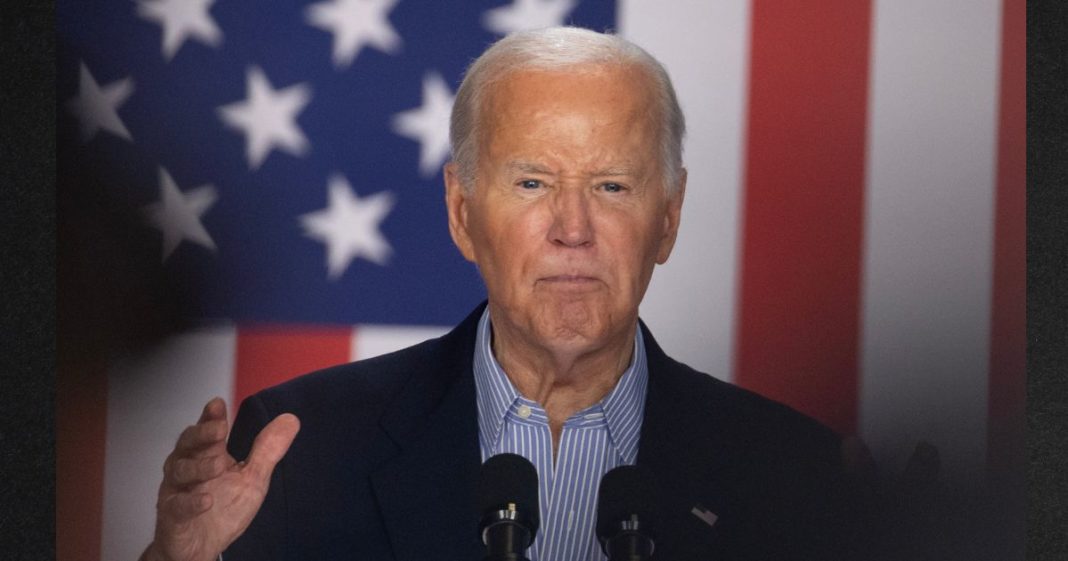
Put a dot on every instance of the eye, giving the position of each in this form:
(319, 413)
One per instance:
(612, 187)
(530, 184)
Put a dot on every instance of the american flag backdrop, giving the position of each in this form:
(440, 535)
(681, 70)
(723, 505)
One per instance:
(851, 242)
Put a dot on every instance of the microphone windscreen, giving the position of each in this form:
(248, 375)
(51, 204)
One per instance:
(509, 478)
(626, 491)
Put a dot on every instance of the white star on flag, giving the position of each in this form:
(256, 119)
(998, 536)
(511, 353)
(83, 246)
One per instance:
(522, 15)
(268, 118)
(429, 124)
(349, 226)
(181, 19)
(355, 23)
(177, 214)
(96, 107)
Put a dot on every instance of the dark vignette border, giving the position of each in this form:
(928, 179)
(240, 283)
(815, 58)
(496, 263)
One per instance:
(27, 280)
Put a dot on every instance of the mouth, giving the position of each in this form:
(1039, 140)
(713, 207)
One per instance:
(569, 278)
(570, 282)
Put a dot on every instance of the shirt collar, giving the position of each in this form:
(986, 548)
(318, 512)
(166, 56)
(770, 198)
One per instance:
(623, 407)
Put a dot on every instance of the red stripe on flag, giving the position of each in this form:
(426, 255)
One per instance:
(1006, 452)
(799, 298)
(271, 355)
(81, 430)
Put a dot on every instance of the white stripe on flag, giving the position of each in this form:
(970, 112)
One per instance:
(373, 340)
(151, 398)
(928, 260)
(705, 46)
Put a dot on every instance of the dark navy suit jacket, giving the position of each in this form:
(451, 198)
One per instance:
(386, 464)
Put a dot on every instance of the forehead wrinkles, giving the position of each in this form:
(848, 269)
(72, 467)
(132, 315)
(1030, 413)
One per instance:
(547, 118)
(531, 95)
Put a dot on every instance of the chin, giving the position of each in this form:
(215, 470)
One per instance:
(574, 321)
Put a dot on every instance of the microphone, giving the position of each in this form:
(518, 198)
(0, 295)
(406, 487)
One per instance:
(508, 502)
(626, 514)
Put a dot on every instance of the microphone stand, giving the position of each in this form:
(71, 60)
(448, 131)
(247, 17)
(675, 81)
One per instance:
(630, 543)
(505, 535)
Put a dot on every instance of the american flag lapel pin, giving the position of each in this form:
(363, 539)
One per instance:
(707, 516)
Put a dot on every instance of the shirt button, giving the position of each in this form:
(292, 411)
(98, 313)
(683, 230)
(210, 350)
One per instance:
(524, 411)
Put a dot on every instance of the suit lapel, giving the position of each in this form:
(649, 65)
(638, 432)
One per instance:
(681, 450)
(426, 493)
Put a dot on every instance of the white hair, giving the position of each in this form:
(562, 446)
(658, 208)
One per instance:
(561, 48)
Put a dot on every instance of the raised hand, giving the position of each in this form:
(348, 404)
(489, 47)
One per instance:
(207, 499)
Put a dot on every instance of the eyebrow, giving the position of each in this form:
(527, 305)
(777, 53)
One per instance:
(615, 171)
(529, 167)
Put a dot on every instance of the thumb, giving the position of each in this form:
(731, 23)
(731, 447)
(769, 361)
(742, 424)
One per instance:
(272, 444)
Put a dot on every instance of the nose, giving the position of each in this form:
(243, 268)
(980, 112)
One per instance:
(572, 225)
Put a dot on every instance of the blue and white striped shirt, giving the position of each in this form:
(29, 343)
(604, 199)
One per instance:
(593, 441)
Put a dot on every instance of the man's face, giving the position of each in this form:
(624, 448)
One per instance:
(569, 213)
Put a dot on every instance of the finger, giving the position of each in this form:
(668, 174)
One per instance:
(272, 444)
(214, 409)
(196, 441)
(191, 471)
(201, 435)
(181, 507)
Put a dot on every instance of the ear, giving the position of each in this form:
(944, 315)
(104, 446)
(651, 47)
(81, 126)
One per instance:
(672, 215)
(456, 200)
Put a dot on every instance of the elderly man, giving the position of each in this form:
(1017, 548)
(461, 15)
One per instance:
(565, 191)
